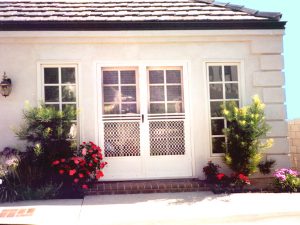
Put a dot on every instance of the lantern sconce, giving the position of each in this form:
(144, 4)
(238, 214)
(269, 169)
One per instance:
(5, 86)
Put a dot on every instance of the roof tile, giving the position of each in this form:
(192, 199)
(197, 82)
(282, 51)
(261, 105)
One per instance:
(128, 10)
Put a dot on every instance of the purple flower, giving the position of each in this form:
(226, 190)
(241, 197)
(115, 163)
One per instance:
(281, 174)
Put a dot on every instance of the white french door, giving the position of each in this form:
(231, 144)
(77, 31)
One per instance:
(143, 124)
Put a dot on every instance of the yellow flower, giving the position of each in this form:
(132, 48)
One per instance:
(225, 112)
(243, 122)
(256, 99)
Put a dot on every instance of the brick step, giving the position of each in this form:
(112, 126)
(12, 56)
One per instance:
(147, 186)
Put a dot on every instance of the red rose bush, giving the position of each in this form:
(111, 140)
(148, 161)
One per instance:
(84, 167)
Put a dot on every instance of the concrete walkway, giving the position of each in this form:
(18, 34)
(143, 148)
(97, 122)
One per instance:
(162, 209)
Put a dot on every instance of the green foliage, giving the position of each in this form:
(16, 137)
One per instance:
(211, 171)
(245, 128)
(266, 166)
(47, 132)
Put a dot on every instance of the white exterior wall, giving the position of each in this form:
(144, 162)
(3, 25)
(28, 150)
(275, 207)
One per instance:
(257, 51)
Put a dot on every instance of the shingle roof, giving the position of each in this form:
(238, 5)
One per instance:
(127, 11)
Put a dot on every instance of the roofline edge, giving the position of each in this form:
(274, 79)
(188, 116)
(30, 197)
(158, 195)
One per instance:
(144, 25)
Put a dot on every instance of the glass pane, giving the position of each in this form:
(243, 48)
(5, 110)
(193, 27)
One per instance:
(51, 94)
(128, 77)
(73, 132)
(111, 94)
(110, 77)
(175, 107)
(51, 75)
(231, 73)
(111, 109)
(55, 106)
(215, 73)
(232, 91)
(217, 126)
(128, 93)
(228, 102)
(68, 75)
(174, 93)
(157, 108)
(69, 93)
(217, 143)
(173, 76)
(216, 91)
(72, 109)
(156, 77)
(128, 108)
(157, 93)
(215, 109)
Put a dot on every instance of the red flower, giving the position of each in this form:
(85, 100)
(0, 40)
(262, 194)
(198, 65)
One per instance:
(243, 178)
(220, 176)
(84, 143)
(83, 151)
(76, 180)
(103, 164)
(72, 172)
(81, 175)
(61, 171)
(63, 160)
(94, 155)
(99, 174)
(56, 162)
(84, 186)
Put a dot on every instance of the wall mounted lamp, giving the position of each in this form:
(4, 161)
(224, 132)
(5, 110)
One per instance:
(5, 86)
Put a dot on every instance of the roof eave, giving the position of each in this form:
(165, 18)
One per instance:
(138, 25)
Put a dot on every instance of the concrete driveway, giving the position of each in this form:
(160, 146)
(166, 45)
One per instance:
(163, 208)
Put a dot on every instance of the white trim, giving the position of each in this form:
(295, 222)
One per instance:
(40, 85)
(142, 66)
(165, 33)
(241, 85)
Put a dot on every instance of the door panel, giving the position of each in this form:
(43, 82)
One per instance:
(145, 138)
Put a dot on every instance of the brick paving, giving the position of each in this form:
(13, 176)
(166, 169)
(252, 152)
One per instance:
(147, 186)
(17, 212)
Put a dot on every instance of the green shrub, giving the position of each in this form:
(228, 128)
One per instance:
(246, 127)
(266, 166)
(47, 132)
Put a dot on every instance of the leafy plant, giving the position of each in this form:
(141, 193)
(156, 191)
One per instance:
(211, 171)
(266, 166)
(47, 132)
(245, 128)
(286, 180)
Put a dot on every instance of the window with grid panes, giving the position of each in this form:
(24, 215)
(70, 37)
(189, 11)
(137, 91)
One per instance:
(119, 90)
(60, 90)
(165, 87)
(223, 87)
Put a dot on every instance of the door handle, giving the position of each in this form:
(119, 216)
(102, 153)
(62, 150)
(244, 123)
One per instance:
(142, 118)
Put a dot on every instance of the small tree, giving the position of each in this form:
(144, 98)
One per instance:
(47, 132)
(246, 127)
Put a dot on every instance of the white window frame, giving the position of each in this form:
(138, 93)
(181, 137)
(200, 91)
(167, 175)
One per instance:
(241, 88)
(41, 91)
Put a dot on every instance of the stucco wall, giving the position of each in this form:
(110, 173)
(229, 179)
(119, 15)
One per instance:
(294, 141)
(259, 53)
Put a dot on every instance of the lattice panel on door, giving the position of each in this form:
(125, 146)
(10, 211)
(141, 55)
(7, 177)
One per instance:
(121, 139)
(167, 138)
